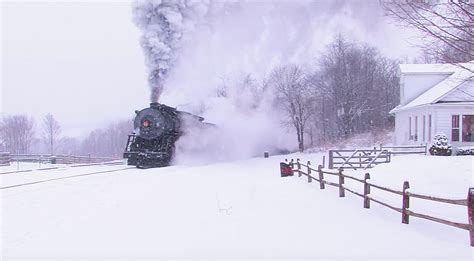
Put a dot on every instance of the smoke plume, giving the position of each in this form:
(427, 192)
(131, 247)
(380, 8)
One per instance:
(165, 25)
(223, 68)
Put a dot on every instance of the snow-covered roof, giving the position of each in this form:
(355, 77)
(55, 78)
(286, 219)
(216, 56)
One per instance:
(460, 74)
(427, 68)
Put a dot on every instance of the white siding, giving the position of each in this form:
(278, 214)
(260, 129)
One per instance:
(413, 85)
(441, 115)
(402, 126)
(444, 114)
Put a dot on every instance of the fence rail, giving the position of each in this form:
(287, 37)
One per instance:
(5, 158)
(358, 159)
(367, 158)
(409, 149)
(405, 193)
(55, 159)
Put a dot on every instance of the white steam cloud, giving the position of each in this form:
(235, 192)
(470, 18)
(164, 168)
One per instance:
(233, 49)
(165, 24)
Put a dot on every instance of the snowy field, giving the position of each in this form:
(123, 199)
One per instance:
(23, 166)
(239, 210)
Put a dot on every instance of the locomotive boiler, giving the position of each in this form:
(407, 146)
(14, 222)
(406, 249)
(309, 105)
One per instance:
(157, 128)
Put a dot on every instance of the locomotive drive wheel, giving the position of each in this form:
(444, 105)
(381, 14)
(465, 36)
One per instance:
(132, 162)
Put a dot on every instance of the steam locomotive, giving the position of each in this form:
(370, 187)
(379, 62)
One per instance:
(157, 129)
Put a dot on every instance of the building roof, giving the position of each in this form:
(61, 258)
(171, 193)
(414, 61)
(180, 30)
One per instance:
(459, 74)
(427, 68)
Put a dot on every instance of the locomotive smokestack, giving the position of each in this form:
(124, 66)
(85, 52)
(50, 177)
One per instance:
(165, 25)
(154, 105)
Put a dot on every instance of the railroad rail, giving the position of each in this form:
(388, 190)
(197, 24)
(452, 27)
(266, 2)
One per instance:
(65, 177)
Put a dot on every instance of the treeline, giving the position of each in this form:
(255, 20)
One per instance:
(354, 89)
(350, 89)
(19, 134)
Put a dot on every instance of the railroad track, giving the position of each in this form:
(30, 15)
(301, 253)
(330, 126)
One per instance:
(61, 178)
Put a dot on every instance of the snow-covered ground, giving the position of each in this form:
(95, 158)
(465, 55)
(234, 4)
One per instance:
(239, 210)
(22, 166)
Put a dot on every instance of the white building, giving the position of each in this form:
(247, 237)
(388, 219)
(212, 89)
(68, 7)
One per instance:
(435, 98)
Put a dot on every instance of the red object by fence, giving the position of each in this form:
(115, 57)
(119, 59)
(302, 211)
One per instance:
(286, 169)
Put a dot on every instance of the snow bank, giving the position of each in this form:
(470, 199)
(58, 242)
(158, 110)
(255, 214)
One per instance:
(239, 210)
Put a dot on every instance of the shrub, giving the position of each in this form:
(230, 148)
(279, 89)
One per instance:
(464, 151)
(441, 146)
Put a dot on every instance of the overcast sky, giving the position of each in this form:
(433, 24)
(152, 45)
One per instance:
(81, 60)
(78, 60)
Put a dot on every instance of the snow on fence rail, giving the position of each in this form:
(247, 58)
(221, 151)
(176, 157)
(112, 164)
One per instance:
(58, 159)
(402, 150)
(405, 193)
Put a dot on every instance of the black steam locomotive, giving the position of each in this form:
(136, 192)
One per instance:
(157, 128)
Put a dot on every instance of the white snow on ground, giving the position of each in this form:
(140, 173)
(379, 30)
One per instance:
(238, 210)
(21, 166)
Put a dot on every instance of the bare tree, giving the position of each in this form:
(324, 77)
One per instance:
(294, 96)
(109, 142)
(17, 133)
(222, 88)
(446, 26)
(68, 146)
(356, 88)
(51, 132)
(321, 128)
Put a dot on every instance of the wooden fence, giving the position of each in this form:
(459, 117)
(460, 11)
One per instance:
(58, 159)
(403, 150)
(368, 158)
(405, 194)
(5, 158)
(358, 159)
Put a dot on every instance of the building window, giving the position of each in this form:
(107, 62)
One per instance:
(416, 128)
(467, 128)
(424, 127)
(429, 127)
(410, 137)
(455, 128)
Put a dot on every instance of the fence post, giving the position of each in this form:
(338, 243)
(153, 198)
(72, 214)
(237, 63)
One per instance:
(298, 164)
(324, 161)
(366, 191)
(341, 181)
(331, 159)
(470, 211)
(292, 167)
(321, 177)
(309, 172)
(405, 203)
